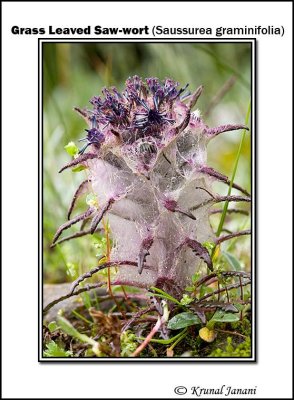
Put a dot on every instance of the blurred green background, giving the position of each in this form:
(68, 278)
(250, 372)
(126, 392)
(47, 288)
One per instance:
(74, 72)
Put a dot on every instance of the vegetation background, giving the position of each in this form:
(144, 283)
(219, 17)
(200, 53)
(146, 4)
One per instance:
(75, 72)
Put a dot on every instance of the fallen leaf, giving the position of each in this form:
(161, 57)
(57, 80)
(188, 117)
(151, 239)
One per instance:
(207, 335)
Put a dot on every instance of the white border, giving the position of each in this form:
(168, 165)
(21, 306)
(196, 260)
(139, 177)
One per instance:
(253, 267)
(22, 375)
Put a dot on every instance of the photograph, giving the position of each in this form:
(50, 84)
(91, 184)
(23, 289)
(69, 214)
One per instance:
(147, 219)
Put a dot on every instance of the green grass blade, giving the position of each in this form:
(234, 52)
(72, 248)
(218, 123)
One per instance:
(164, 295)
(225, 209)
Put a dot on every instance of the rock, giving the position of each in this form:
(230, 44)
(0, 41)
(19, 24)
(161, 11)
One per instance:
(52, 292)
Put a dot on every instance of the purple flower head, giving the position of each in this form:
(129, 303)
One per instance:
(134, 86)
(111, 109)
(94, 137)
(146, 111)
(149, 119)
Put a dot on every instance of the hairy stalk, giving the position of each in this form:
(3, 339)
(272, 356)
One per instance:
(232, 236)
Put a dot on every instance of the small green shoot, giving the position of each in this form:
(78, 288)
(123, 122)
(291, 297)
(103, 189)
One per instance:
(54, 350)
(52, 326)
(185, 300)
(128, 343)
(79, 168)
(69, 329)
(71, 149)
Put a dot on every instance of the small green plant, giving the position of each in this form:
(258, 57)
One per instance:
(231, 350)
(128, 342)
(55, 350)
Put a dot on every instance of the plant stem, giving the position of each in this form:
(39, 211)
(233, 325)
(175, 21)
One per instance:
(185, 333)
(161, 320)
(231, 333)
(223, 216)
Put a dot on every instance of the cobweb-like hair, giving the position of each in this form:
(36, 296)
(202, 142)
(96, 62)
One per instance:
(145, 151)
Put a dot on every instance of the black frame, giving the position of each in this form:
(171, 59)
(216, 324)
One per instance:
(253, 123)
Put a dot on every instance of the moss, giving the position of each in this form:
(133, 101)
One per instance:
(223, 346)
(243, 327)
(232, 350)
